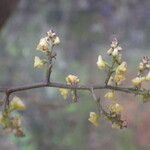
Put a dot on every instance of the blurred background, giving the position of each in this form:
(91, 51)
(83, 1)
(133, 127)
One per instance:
(85, 28)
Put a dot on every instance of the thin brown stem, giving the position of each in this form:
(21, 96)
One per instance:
(77, 87)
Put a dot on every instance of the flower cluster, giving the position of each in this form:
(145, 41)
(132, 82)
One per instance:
(116, 72)
(71, 80)
(9, 121)
(143, 75)
(46, 45)
(115, 69)
(144, 66)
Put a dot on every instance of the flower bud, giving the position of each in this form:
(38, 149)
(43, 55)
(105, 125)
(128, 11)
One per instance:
(116, 108)
(17, 104)
(110, 95)
(114, 43)
(94, 118)
(56, 40)
(64, 93)
(43, 45)
(101, 63)
(122, 68)
(38, 63)
(116, 51)
(138, 81)
(119, 78)
(72, 80)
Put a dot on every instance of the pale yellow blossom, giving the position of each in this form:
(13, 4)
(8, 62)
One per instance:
(110, 95)
(94, 118)
(122, 68)
(38, 63)
(116, 51)
(64, 93)
(101, 63)
(43, 45)
(138, 81)
(56, 40)
(72, 79)
(116, 108)
(17, 104)
(119, 78)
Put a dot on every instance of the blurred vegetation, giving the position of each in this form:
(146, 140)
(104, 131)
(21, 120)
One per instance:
(85, 28)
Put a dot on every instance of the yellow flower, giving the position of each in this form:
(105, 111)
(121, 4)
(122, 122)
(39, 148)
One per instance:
(116, 108)
(138, 81)
(56, 40)
(43, 45)
(53, 37)
(64, 93)
(110, 95)
(72, 79)
(147, 78)
(120, 73)
(94, 118)
(119, 78)
(101, 63)
(116, 51)
(122, 68)
(38, 63)
(17, 104)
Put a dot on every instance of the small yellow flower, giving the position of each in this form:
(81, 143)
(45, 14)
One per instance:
(38, 63)
(101, 63)
(72, 79)
(43, 45)
(120, 73)
(53, 37)
(116, 108)
(119, 78)
(94, 118)
(147, 78)
(110, 95)
(116, 51)
(56, 40)
(122, 68)
(138, 81)
(64, 93)
(17, 104)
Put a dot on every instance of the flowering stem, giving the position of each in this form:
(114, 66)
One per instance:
(77, 87)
